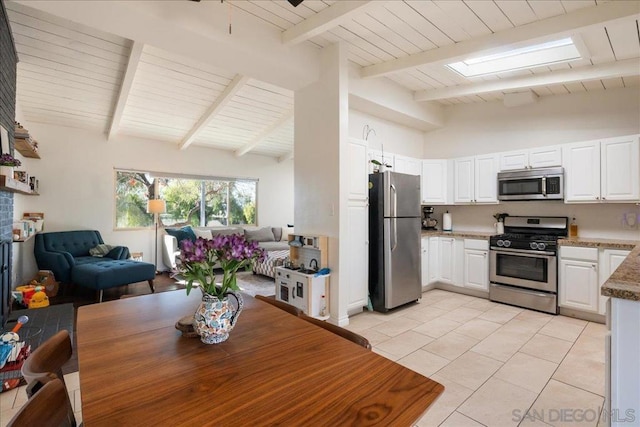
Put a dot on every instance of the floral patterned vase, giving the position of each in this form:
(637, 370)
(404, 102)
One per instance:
(215, 318)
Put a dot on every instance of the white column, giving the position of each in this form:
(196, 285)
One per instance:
(320, 142)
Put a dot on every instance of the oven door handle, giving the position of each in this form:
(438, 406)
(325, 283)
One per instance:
(537, 254)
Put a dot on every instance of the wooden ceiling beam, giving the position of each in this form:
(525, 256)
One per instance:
(332, 16)
(539, 31)
(264, 134)
(125, 87)
(220, 102)
(627, 67)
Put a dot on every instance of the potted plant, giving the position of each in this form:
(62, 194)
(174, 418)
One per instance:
(215, 317)
(381, 167)
(7, 163)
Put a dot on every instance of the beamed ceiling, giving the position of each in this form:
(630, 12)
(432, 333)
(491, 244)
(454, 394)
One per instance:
(72, 74)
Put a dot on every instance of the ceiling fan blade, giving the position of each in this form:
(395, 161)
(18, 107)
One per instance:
(295, 3)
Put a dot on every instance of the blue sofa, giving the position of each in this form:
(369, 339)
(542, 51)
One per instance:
(66, 253)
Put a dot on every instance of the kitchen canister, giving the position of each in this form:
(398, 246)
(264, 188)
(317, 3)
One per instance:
(446, 221)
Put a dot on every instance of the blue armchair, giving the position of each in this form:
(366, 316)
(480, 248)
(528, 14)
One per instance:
(66, 253)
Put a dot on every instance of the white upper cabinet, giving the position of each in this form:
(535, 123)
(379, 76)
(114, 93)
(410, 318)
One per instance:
(620, 169)
(607, 170)
(542, 157)
(434, 182)
(408, 165)
(358, 170)
(475, 179)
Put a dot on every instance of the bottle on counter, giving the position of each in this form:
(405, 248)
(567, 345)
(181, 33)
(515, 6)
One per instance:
(573, 228)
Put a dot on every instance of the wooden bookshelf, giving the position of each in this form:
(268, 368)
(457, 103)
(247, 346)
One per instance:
(14, 186)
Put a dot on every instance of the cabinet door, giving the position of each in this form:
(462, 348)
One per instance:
(434, 259)
(545, 157)
(463, 180)
(447, 260)
(424, 260)
(358, 170)
(408, 165)
(620, 169)
(476, 270)
(358, 249)
(513, 160)
(434, 181)
(582, 172)
(608, 262)
(299, 286)
(486, 179)
(578, 285)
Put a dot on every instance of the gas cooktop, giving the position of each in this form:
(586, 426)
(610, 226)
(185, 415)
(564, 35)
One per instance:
(531, 233)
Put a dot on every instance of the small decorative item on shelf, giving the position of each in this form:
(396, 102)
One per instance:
(215, 316)
(7, 163)
(381, 167)
(499, 224)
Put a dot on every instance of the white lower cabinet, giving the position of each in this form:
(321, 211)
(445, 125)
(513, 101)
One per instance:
(608, 261)
(578, 278)
(476, 264)
(447, 260)
(434, 259)
(424, 261)
(358, 249)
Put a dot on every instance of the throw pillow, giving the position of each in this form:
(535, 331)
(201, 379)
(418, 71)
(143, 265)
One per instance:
(100, 250)
(182, 233)
(225, 231)
(260, 235)
(205, 234)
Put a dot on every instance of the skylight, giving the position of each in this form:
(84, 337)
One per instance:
(517, 59)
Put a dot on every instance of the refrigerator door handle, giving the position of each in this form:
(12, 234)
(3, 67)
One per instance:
(394, 233)
(394, 200)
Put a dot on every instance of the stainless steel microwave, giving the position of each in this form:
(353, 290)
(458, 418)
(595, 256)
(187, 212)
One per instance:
(531, 184)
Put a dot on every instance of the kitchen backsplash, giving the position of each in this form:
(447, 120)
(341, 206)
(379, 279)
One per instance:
(594, 220)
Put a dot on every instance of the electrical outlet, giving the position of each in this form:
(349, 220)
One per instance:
(630, 221)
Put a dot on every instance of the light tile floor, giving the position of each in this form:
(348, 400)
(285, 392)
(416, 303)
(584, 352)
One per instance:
(500, 365)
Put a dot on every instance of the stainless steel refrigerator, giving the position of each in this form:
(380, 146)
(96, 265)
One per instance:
(394, 240)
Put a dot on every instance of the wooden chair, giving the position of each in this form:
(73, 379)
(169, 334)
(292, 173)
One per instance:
(49, 406)
(48, 357)
(281, 305)
(344, 333)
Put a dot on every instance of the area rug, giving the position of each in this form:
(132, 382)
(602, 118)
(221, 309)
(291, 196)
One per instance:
(251, 284)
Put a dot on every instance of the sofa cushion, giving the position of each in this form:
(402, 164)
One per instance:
(205, 234)
(182, 233)
(260, 235)
(100, 250)
(274, 246)
(110, 273)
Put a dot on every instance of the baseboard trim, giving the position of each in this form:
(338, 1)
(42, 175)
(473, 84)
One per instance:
(590, 317)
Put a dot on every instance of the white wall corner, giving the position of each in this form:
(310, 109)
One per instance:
(385, 99)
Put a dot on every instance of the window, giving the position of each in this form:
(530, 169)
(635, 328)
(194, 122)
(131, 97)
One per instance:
(195, 201)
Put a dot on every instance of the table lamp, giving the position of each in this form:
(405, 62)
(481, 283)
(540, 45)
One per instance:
(156, 207)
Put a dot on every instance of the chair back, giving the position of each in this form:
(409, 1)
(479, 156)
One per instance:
(281, 305)
(49, 406)
(48, 357)
(344, 333)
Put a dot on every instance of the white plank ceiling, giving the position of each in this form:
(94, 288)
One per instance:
(72, 75)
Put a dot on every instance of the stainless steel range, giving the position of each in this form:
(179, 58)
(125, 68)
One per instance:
(523, 262)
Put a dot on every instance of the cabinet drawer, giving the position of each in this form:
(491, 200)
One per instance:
(573, 252)
(477, 244)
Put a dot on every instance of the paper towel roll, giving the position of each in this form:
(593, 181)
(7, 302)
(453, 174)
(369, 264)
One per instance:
(446, 221)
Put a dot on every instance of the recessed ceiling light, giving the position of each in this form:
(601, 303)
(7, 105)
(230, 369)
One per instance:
(547, 53)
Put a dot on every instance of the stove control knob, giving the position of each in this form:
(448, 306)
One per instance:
(500, 243)
(533, 245)
(507, 243)
(541, 246)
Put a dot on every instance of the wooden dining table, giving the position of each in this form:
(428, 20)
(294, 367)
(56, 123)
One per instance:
(275, 369)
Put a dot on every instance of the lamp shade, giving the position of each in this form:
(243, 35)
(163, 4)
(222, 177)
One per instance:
(156, 206)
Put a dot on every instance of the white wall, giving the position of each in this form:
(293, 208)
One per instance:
(76, 175)
(490, 127)
(397, 139)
